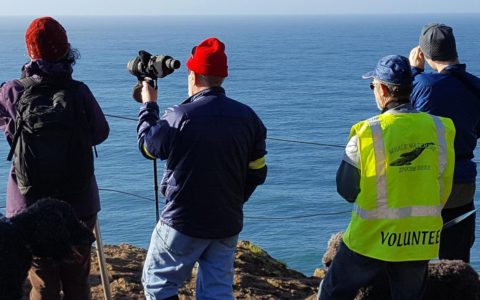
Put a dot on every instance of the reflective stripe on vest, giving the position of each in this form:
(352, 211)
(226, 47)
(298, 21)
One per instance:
(442, 149)
(382, 211)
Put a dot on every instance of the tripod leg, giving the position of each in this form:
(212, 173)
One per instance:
(107, 293)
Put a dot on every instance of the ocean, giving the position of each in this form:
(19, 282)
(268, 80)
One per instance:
(301, 74)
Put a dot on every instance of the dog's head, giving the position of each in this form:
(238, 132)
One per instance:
(51, 229)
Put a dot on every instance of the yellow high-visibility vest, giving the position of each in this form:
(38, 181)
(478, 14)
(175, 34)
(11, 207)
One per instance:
(406, 165)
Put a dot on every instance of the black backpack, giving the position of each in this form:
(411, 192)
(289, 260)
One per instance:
(52, 141)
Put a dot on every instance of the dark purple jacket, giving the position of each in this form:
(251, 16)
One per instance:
(10, 91)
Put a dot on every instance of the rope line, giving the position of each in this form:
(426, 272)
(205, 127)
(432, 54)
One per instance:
(120, 117)
(305, 142)
(246, 217)
(268, 138)
(126, 193)
(297, 217)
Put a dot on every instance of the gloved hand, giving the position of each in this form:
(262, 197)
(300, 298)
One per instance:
(144, 91)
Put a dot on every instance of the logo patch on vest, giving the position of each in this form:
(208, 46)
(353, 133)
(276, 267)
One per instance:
(407, 158)
(410, 238)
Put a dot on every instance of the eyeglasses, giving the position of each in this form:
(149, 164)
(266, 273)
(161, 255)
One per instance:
(372, 86)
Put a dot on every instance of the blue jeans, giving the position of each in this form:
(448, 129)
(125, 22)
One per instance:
(350, 271)
(171, 257)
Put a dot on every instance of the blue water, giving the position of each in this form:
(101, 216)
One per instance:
(302, 76)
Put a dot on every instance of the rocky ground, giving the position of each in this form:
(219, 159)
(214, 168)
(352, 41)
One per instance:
(257, 276)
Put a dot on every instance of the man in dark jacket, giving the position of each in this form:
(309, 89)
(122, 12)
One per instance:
(215, 152)
(51, 61)
(454, 93)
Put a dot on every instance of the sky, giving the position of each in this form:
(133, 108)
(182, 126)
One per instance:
(235, 7)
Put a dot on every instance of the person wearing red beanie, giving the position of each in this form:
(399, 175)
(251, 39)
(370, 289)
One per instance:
(215, 150)
(207, 65)
(46, 39)
(51, 60)
(209, 58)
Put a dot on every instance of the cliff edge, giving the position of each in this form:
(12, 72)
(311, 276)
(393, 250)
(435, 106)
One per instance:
(257, 276)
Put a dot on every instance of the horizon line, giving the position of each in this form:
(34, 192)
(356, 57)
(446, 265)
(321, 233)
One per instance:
(252, 15)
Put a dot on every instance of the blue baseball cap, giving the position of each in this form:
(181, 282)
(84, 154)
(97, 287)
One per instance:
(392, 69)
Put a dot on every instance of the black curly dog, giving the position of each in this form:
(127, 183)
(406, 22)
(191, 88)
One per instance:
(47, 229)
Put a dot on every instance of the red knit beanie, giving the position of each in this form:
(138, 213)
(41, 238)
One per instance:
(209, 58)
(46, 39)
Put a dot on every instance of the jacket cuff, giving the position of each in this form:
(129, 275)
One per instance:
(416, 71)
(150, 106)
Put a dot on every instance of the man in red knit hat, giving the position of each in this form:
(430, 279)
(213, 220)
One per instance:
(214, 149)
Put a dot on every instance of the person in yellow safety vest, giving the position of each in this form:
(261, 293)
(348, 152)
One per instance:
(398, 171)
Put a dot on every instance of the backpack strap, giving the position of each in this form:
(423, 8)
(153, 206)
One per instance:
(26, 82)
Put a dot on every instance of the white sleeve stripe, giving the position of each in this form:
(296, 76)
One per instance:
(352, 153)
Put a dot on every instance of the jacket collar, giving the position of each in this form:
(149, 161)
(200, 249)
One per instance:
(204, 93)
(396, 107)
(42, 68)
(454, 68)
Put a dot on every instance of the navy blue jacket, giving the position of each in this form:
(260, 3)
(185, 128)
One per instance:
(443, 94)
(215, 148)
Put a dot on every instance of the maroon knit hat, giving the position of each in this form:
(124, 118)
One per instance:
(209, 58)
(46, 39)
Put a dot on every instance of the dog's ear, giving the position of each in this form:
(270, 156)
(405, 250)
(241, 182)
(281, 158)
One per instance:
(79, 233)
(51, 237)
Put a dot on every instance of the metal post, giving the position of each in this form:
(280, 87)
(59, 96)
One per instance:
(155, 187)
(107, 293)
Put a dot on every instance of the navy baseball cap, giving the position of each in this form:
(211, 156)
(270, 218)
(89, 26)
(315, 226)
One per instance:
(392, 69)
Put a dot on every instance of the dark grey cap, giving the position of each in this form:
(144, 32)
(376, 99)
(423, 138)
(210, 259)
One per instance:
(437, 42)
